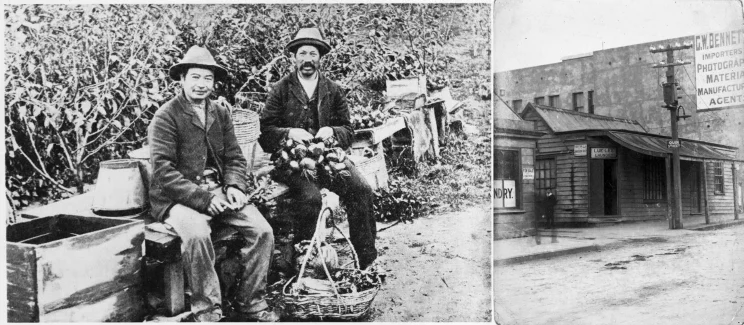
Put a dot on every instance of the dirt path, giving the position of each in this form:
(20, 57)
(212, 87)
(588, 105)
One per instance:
(691, 279)
(439, 269)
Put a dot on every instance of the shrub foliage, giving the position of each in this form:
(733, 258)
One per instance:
(82, 82)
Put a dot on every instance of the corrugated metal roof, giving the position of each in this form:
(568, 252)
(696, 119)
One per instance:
(561, 120)
(656, 145)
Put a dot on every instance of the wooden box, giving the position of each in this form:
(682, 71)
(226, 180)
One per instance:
(67, 268)
(373, 169)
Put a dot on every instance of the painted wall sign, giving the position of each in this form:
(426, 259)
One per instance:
(719, 69)
(604, 153)
(505, 193)
(528, 173)
(580, 150)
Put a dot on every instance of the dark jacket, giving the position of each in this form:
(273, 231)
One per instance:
(178, 153)
(284, 111)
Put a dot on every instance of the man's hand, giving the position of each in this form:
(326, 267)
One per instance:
(324, 133)
(236, 197)
(299, 135)
(217, 206)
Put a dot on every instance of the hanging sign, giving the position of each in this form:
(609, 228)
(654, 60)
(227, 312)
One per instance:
(604, 153)
(719, 69)
(580, 150)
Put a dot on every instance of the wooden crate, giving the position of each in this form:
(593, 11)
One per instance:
(67, 268)
(373, 169)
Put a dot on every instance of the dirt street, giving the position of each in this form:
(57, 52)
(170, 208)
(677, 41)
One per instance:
(691, 279)
(439, 269)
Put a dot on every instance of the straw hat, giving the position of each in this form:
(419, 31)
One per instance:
(309, 36)
(199, 57)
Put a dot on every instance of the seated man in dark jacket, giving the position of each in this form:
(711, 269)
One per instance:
(189, 135)
(305, 105)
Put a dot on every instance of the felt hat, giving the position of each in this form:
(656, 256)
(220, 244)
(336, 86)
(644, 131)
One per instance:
(309, 36)
(198, 57)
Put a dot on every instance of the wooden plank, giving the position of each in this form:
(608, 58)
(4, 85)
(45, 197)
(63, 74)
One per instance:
(86, 270)
(77, 205)
(21, 280)
(121, 306)
(368, 137)
(174, 290)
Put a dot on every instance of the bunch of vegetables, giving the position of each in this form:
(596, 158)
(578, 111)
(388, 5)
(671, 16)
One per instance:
(368, 119)
(437, 83)
(355, 280)
(311, 159)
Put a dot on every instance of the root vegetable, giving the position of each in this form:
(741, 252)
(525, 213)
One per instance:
(308, 163)
(294, 165)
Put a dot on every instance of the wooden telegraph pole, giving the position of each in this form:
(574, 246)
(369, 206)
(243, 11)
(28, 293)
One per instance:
(672, 104)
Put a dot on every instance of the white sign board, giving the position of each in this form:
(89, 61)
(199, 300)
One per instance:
(504, 193)
(580, 150)
(719, 69)
(528, 173)
(604, 153)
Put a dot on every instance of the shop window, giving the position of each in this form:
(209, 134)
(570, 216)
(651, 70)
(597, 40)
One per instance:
(517, 105)
(654, 179)
(718, 178)
(590, 102)
(545, 177)
(554, 101)
(578, 102)
(506, 179)
(540, 100)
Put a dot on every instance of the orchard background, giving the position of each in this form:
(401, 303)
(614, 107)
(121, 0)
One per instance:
(82, 82)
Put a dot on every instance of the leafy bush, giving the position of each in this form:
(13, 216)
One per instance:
(399, 201)
(82, 82)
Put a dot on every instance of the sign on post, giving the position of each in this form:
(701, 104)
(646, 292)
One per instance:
(604, 153)
(719, 69)
(673, 144)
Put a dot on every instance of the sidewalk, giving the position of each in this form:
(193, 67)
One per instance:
(596, 237)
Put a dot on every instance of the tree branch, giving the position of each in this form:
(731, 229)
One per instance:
(44, 173)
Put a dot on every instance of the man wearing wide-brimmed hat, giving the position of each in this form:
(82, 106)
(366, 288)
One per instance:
(306, 105)
(198, 187)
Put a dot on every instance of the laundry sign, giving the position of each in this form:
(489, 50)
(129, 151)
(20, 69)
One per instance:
(504, 193)
(604, 153)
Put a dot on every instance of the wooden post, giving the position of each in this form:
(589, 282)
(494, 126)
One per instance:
(670, 200)
(173, 278)
(736, 190)
(705, 192)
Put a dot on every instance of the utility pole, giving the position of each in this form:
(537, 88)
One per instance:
(672, 104)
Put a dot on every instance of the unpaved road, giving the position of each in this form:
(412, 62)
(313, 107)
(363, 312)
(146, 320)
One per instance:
(691, 279)
(439, 269)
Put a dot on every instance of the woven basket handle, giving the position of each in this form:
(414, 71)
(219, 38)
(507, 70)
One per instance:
(315, 244)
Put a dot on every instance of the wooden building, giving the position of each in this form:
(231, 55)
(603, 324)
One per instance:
(515, 142)
(607, 169)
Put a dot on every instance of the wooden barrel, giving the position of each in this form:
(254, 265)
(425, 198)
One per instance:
(121, 188)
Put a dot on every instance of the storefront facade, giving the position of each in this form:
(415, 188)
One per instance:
(515, 142)
(606, 169)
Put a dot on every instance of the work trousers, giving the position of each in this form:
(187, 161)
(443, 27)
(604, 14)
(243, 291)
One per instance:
(357, 196)
(198, 254)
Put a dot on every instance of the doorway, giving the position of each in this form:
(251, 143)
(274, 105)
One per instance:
(603, 187)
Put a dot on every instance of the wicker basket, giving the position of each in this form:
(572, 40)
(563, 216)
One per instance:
(247, 129)
(336, 306)
(247, 125)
